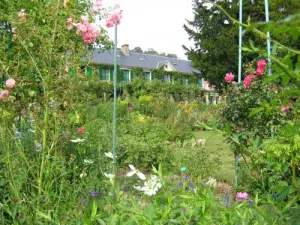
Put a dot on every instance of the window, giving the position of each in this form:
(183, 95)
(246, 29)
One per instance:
(105, 74)
(147, 76)
(125, 75)
(167, 78)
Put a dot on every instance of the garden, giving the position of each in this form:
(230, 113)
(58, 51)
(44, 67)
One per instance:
(176, 160)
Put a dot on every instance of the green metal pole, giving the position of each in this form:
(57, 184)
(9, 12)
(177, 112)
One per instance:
(268, 40)
(236, 156)
(115, 102)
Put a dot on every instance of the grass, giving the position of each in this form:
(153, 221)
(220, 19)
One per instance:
(215, 144)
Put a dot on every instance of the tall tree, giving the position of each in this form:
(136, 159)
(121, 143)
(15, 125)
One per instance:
(137, 49)
(215, 37)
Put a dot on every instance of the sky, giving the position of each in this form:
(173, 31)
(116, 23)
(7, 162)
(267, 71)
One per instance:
(156, 24)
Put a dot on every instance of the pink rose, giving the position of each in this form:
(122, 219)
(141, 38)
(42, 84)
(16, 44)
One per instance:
(4, 94)
(229, 77)
(260, 71)
(248, 80)
(285, 108)
(130, 108)
(10, 83)
(200, 141)
(262, 63)
(241, 195)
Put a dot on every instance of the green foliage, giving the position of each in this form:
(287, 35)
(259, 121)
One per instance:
(215, 36)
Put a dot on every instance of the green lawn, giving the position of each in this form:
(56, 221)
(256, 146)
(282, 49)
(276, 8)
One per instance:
(216, 145)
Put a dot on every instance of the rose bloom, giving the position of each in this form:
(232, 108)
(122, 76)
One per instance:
(80, 130)
(229, 77)
(10, 83)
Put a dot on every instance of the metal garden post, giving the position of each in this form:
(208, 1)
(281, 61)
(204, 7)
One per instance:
(115, 101)
(236, 156)
(268, 35)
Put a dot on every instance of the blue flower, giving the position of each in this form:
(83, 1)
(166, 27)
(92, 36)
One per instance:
(19, 133)
(94, 194)
(275, 195)
(202, 184)
(186, 178)
(227, 201)
(180, 184)
(39, 146)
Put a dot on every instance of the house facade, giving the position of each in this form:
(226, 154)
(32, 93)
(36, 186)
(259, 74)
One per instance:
(128, 60)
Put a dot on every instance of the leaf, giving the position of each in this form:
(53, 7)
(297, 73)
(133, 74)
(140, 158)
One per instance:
(94, 211)
(256, 111)
(285, 79)
(255, 144)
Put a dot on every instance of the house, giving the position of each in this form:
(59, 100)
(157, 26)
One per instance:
(128, 60)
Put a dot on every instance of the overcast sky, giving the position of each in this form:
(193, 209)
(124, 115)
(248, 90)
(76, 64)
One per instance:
(156, 24)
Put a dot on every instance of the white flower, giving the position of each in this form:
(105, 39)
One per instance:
(137, 172)
(151, 186)
(88, 161)
(77, 140)
(82, 175)
(109, 155)
(109, 176)
(212, 182)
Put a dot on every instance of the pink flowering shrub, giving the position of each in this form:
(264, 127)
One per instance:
(261, 65)
(4, 94)
(88, 31)
(114, 16)
(248, 80)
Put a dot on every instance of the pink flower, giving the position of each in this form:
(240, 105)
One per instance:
(97, 5)
(248, 80)
(88, 31)
(260, 71)
(4, 94)
(262, 63)
(10, 83)
(130, 108)
(285, 108)
(242, 195)
(114, 18)
(229, 77)
(22, 14)
(200, 141)
(80, 130)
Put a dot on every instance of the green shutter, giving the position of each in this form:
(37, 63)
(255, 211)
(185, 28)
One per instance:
(184, 81)
(131, 75)
(200, 85)
(111, 74)
(144, 75)
(89, 71)
(122, 75)
(101, 73)
(152, 75)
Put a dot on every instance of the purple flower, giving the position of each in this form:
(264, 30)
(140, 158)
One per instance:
(227, 201)
(186, 178)
(94, 194)
(180, 184)
(19, 133)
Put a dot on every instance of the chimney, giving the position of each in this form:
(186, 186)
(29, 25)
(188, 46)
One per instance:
(125, 49)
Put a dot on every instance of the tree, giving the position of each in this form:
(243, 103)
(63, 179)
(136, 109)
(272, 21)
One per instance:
(171, 55)
(215, 37)
(151, 51)
(137, 49)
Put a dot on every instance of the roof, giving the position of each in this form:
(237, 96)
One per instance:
(141, 60)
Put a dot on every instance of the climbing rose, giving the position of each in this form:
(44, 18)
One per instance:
(88, 31)
(97, 5)
(261, 65)
(114, 17)
(229, 77)
(241, 195)
(80, 130)
(4, 94)
(10, 83)
(248, 80)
